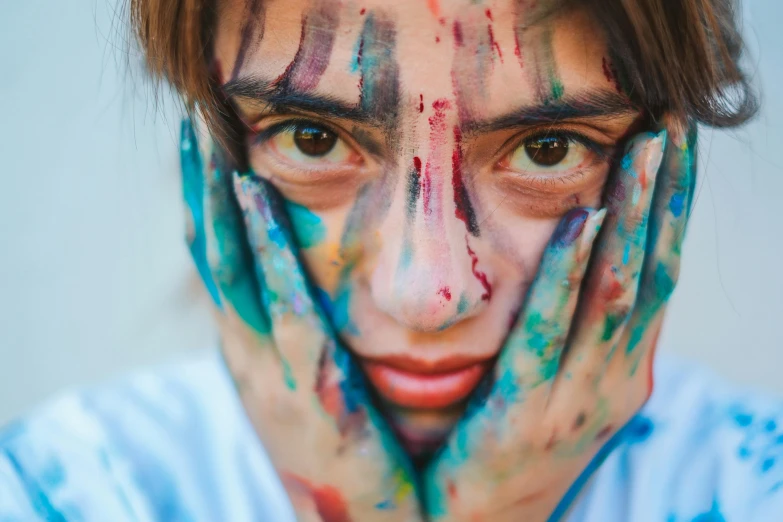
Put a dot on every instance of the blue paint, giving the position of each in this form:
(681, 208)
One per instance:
(626, 253)
(743, 419)
(385, 505)
(193, 191)
(713, 515)
(640, 428)
(341, 316)
(507, 386)
(309, 228)
(677, 203)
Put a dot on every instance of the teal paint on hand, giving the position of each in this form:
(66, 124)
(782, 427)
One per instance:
(192, 168)
(308, 227)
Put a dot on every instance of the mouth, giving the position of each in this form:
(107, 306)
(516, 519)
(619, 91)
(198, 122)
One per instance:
(424, 385)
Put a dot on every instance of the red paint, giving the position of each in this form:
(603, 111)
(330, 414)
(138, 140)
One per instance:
(494, 43)
(611, 74)
(442, 21)
(359, 56)
(362, 11)
(434, 6)
(445, 292)
(457, 30)
(604, 432)
(456, 175)
(518, 49)
(437, 139)
(328, 500)
(488, 12)
(421, 103)
(452, 489)
(613, 290)
(481, 276)
(437, 39)
(417, 165)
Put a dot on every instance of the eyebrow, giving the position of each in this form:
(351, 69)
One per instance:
(597, 103)
(281, 98)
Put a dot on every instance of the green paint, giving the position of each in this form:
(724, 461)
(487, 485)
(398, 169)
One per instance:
(288, 375)
(613, 321)
(462, 304)
(309, 229)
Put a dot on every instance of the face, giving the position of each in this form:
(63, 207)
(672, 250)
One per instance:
(426, 150)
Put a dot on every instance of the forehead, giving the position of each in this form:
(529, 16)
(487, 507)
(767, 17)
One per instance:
(488, 54)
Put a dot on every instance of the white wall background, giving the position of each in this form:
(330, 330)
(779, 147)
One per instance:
(95, 278)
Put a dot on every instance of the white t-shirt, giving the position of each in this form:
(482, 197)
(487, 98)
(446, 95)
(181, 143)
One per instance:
(174, 445)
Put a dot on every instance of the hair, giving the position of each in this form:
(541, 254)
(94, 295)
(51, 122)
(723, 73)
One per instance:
(679, 57)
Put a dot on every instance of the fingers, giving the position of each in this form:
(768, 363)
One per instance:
(228, 256)
(615, 270)
(193, 192)
(670, 211)
(301, 333)
(532, 351)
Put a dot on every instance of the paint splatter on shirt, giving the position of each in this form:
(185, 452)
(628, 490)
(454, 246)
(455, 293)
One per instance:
(174, 445)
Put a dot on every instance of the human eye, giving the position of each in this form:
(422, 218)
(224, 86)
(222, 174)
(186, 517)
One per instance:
(305, 143)
(553, 154)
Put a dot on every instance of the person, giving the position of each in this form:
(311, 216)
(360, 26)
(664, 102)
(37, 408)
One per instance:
(440, 237)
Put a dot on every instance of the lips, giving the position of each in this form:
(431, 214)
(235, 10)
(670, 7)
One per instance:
(419, 384)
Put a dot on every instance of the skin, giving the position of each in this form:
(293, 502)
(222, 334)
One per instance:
(426, 234)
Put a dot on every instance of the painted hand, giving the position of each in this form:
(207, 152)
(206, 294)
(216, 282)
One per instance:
(577, 364)
(337, 460)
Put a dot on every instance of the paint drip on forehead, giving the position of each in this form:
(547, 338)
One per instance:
(251, 34)
(376, 58)
(534, 32)
(319, 26)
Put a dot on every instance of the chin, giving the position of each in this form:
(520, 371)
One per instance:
(422, 432)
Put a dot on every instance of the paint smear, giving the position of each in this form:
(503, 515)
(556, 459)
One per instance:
(471, 67)
(494, 43)
(315, 50)
(434, 6)
(414, 186)
(481, 276)
(310, 230)
(445, 292)
(463, 209)
(534, 47)
(379, 83)
(611, 74)
(437, 142)
(251, 34)
(329, 502)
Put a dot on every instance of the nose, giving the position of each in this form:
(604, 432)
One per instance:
(433, 269)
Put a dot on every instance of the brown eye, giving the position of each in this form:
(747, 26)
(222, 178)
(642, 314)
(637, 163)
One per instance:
(547, 151)
(314, 141)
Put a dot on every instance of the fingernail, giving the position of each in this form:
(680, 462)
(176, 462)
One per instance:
(592, 226)
(573, 224)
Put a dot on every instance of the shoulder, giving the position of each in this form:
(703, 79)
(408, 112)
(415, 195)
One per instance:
(699, 451)
(172, 444)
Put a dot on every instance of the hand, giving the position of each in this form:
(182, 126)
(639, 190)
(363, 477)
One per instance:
(336, 457)
(578, 363)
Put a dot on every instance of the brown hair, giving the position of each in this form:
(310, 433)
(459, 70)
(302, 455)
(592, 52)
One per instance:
(676, 56)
